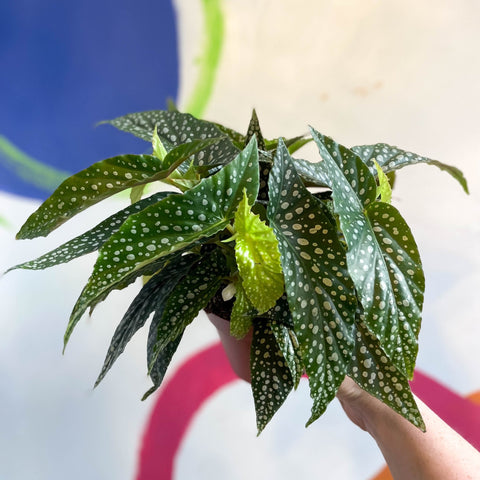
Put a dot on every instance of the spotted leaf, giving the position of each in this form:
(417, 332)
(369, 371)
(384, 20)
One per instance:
(393, 158)
(311, 174)
(170, 226)
(271, 378)
(243, 312)
(191, 294)
(161, 363)
(258, 258)
(288, 344)
(91, 240)
(357, 174)
(255, 130)
(176, 128)
(101, 180)
(152, 298)
(389, 284)
(319, 290)
(377, 375)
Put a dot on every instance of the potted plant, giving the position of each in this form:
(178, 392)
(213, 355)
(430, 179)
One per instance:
(310, 259)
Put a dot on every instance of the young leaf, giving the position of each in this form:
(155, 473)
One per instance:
(155, 233)
(93, 239)
(102, 180)
(191, 294)
(383, 262)
(157, 146)
(319, 290)
(258, 258)
(384, 191)
(136, 193)
(393, 158)
(374, 372)
(271, 378)
(243, 313)
(152, 298)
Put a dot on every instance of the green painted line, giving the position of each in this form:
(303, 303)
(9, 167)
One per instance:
(28, 169)
(210, 58)
(4, 223)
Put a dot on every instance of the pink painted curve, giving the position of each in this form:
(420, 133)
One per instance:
(182, 396)
(191, 385)
(460, 413)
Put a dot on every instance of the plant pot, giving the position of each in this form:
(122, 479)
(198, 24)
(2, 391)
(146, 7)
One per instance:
(238, 351)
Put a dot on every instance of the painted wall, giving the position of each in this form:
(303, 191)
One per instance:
(363, 72)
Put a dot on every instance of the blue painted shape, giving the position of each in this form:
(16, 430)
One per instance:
(67, 65)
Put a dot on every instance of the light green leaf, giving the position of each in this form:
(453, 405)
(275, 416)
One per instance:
(102, 180)
(392, 158)
(158, 149)
(383, 262)
(186, 179)
(258, 258)
(156, 232)
(384, 191)
(191, 294)
(152, 298)
(136, 193)
(243, 312)
(373, 371)
(271, 378)
(319, 290)
(93, 239)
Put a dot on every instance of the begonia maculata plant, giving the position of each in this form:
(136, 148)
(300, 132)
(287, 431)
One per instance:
(311, 256)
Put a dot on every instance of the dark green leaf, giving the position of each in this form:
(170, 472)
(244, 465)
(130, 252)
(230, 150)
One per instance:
(288, 344)
(374, 372)
(383, 262)
(319, 290)
(297, 143)
(310, 173)
(237, 138)
(93, 239)
(255, 130)
(271, 378)
(169, 226)
(175, 128)
(396, 306)
(102, 180)
(189, 296)
(392, 158)
(152, 298)
(361, 180)
(161, 363)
